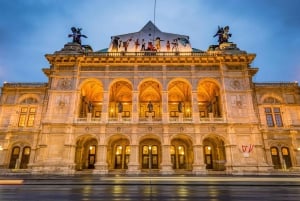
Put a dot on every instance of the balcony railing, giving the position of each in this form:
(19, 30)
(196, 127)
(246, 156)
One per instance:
(148, 120)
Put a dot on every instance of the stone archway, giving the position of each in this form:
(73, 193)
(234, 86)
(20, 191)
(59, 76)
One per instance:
(150, 154)
(85, 155)
(181, 151)
(118, 152)
(209, 94)
(214, 153)
(20, 155)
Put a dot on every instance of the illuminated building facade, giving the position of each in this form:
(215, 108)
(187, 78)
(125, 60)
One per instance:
(150, 102)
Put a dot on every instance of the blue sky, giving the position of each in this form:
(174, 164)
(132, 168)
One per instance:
(29, 29)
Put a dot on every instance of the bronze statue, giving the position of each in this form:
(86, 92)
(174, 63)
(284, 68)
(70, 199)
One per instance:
(150, 106)
(180, 107)
(120, 107)
(223, 34)
(76, 34)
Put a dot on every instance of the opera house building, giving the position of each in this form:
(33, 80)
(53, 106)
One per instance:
(150, 102)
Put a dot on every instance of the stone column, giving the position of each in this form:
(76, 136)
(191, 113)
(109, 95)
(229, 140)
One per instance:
(195, 107)
(166, 164)
(133, 165)
(135, 105)
(101, 166)
(198, 165)
(294, 136)
(165, 112)
(105, 104)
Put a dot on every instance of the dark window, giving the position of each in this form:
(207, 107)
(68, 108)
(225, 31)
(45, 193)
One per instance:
(273, 114)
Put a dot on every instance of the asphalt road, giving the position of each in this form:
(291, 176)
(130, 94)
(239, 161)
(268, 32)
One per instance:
(121, 188)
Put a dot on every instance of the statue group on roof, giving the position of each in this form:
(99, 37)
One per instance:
(76, 35)
(223, 34)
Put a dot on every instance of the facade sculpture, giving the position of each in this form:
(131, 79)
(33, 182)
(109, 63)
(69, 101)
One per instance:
(207, 113)
(223, 34)
(76, 35)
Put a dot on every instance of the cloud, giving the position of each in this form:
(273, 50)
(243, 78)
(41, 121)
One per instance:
(30, 29)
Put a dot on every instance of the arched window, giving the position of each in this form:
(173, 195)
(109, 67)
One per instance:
(14, 157)
(275, 158)
(25, 157)
(286, 157)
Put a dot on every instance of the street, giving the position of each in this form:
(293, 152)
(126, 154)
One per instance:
(183, 188)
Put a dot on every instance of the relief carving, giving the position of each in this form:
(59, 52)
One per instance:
(65, 84)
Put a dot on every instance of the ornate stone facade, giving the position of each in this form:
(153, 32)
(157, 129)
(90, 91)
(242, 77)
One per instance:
(207, 114)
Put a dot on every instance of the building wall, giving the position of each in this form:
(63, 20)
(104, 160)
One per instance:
(231, 135)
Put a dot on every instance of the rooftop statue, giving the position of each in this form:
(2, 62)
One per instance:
(76, 34)
(223, 34)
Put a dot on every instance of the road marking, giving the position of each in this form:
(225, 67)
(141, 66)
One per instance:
(10, 182)
(199, 179)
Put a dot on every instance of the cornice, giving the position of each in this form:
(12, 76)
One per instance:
(151, 58)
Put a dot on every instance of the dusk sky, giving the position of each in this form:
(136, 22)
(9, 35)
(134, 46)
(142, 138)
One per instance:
(29, 29)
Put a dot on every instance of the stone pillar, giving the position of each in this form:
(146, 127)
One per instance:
(229, 158)
(165, 112)
(166, 164)
(133, 165)
(119, 117)
(198, 166)
(135, 105)
(105, 104)
(195, 108)
(180, 117)
(101, 166)
(294, 136)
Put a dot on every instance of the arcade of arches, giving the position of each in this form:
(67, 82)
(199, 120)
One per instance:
(150, 98)
(149, 153)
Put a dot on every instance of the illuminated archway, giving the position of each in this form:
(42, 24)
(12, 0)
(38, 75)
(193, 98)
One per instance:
(214, 153)
(85, 155)
(150, 94)
(120, 99)
(91, 98)
(179, 98)
(209, 99)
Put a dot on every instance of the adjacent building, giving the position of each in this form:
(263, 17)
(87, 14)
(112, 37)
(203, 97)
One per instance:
(150, 102)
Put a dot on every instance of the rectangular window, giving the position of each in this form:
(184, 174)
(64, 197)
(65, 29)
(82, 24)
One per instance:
(27, 116)
(269, 117)
(278, 119)
(273, 114)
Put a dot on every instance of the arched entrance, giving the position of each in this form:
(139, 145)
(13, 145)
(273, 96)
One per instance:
(85, 157)
(150, 154)
(214, 153)
(19, 157)
(282, 159)
(181, 153)
(119, 152)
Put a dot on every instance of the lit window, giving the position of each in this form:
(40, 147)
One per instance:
(27, 116)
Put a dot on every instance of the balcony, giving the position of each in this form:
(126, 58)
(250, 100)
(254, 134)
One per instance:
(141, 120)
